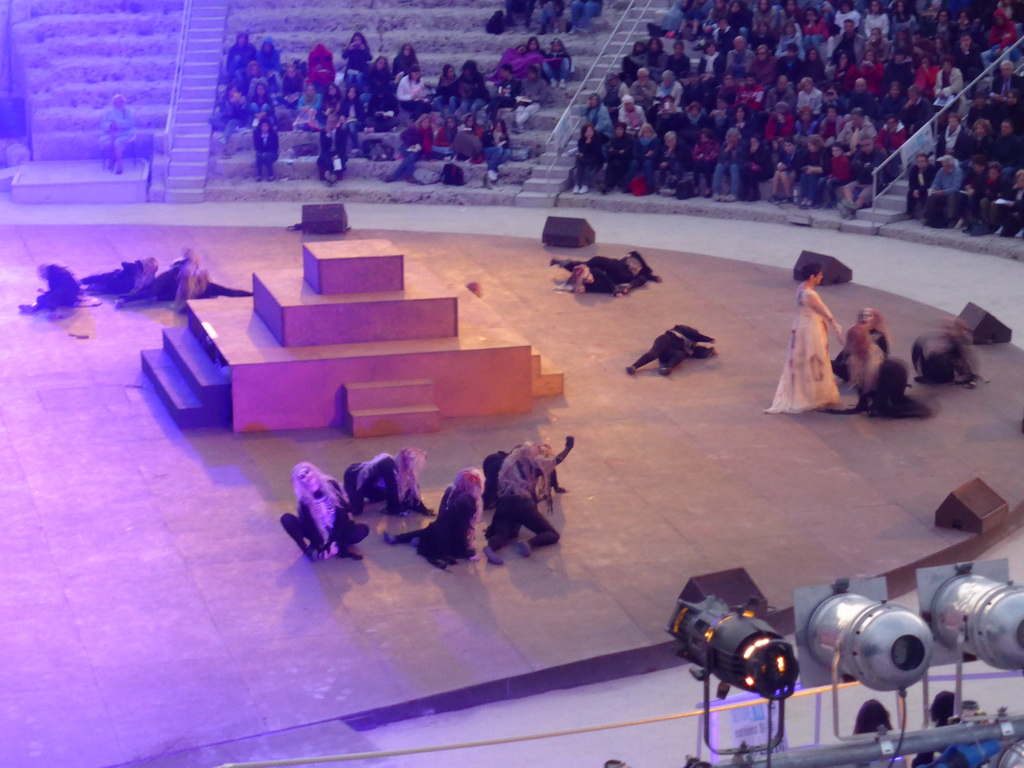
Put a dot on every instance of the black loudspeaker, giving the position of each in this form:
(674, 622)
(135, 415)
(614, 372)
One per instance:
(984, 327)
(973, 507)
(12, 118)
(567, 233)
(324, 219)
(832, 269)
(733, 586)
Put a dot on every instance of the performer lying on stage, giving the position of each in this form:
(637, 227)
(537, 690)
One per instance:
(944, 357)
(131, 276)
(546, 482)
(872, 319)
(521, 473)
(881, 382)
(61, 295)
(601, 274)
(323, 525)
(185, 280)
(391, 479)
(450, 537)
(672, 347)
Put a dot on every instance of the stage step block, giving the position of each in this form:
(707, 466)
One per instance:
(298, 317)
(386, 394)
(176, 394)
(359, 266)
(398, 420)
(208, 382)
(544, 384)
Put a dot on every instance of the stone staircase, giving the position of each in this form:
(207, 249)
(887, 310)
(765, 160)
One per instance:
(442, 31)
(77, 55)
(189, 140)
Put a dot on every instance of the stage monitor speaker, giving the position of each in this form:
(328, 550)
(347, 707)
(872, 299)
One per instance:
(324, 219)
(984, 327)
(973, 507)
(832, 269)
(734, 586)
(567, 233)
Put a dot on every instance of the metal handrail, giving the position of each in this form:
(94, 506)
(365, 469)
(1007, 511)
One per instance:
(567, 124)
(928, 129)
(179, 73)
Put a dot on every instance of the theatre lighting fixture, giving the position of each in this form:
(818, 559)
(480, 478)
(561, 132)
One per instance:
(974, 611)
(740, 651)
(848, 630)
(1012, 757)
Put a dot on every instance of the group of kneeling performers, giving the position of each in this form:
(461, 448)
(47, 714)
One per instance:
(514, 483)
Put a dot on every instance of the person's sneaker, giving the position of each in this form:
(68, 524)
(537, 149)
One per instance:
(524, 548)
(492, 175)
(584, 189)
(999, 232)
(389, 538)
(576, 189)
(729, 199)
(717, 198)
(631, 370)
(493, 557)
(664, 370)
(1020, 233)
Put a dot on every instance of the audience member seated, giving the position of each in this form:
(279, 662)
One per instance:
(238, 57)
(534, 93)
(417, 142)
(412, 93)
(331, 161)
(920, 180)
(620, 160)
(118, 130)
(321, 67)
(266, 146)
(589, 159)
(557, 67)
(497, 150)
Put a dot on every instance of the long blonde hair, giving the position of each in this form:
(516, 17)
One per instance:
(193, 280)
(147, 274)
(328, 484)
(526, 470)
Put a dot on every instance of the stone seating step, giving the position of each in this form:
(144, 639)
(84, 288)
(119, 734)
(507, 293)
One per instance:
(113, 7)
(53, 29)
(357, 190)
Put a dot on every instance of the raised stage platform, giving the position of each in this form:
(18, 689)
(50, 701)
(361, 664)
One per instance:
(80, 181)
(154, 604)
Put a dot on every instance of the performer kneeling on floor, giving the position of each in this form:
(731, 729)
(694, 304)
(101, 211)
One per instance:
(521, 473)
(61, 295)
(323, 525)
(450, 537)
(879, 330)
(387, 478)
(944, 357)
(881, 381)
(672, 347)
(492, 467)
(600, 274)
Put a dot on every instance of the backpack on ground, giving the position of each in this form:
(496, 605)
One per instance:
(452, 175)
(496, 24)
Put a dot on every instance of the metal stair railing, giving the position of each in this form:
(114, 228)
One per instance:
(179, 72)
(923, 139)
(568, 124)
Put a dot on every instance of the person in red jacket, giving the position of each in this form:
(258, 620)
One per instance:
(321, 67)
(840, 174)
(417, 143)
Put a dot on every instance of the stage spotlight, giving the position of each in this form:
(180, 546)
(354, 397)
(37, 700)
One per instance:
(974, 610)
(735, 647)
(850, 627)
(1012, 757)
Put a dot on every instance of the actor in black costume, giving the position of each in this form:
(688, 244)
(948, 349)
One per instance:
(450, 537)
(387, 478)
(130, 276)
(185, 280)
(492, 467)
(672, 347)
(881, 381)
(879, 332)
(944, 357)
(601, 274)
(62, 293)
(322, 525)
(520, 484)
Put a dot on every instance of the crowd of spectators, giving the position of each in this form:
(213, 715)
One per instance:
(362, 105)
(808, 100)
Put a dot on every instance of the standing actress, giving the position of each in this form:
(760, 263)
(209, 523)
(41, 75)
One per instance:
(807, 382)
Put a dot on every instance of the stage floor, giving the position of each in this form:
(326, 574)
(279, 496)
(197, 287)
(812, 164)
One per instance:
(152, 603)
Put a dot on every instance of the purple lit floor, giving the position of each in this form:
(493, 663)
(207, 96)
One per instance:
(151, 602)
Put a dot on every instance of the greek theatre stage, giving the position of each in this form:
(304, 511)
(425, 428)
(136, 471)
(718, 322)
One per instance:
(152, 603)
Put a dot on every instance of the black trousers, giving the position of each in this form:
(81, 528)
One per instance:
(116, 281)
(385, 472)
(513, 513)
(670, 351)
(306, 535)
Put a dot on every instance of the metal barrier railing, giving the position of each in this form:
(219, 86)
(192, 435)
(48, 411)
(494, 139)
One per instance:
(179, 72)
(923, 140)
(568, 124)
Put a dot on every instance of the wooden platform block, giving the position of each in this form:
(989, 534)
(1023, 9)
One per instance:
(363, 395)
(298, 316)
(545, 384)
(353, 266)
(399, 420)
